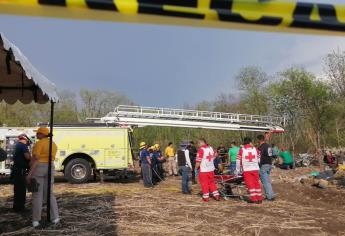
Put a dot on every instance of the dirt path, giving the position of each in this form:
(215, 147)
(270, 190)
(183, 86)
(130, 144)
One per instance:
(129, 209)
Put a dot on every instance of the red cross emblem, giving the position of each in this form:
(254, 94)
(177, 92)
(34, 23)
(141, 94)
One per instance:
(209, 157)
(250, 157)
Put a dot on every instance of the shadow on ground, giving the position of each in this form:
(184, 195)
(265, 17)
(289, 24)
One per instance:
(82, 214)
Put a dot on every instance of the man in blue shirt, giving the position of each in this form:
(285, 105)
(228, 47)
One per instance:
(146, 165)
(160, 161)
(156, 157)
(21, 159)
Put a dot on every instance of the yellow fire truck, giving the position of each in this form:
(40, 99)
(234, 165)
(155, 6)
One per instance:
(82, 149)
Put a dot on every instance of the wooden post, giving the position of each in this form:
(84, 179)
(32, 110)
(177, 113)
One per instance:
(51, 123)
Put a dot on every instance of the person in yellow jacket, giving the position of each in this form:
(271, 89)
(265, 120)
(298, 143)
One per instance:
(171, 160)
(39, 172)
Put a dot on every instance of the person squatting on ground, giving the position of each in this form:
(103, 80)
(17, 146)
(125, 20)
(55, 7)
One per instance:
(248, 161)
(185, 167)
(192, 155)
(21, 159)
(205, 169)
(145, 160)
(170, 155)
(286, 158)
(265, 153)
(39, 172)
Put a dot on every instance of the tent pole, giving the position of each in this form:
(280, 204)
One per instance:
(51, 123)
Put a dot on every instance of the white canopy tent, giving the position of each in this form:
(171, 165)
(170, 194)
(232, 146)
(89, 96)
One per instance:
(21, 81)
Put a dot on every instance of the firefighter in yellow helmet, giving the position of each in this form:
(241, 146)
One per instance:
(146, 163)
(157, 164)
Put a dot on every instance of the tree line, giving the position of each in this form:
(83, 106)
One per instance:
(313, 105)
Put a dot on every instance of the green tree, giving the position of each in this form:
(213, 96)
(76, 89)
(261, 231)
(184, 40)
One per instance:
(306, 102)
(253, 83)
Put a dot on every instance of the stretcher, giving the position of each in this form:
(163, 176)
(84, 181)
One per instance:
(231, 186)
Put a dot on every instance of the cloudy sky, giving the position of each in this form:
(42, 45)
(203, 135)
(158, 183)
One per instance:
(157, 65)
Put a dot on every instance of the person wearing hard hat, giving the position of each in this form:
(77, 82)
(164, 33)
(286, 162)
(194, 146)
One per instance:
(21, 159)
(145, 165)
(154, 165)
(160, 161)
(39, 172)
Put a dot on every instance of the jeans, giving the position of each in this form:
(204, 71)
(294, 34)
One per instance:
(185, 178)
(232, 167)
(265, 171)
(147, 174)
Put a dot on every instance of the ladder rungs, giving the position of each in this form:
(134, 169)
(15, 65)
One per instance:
(169, 113)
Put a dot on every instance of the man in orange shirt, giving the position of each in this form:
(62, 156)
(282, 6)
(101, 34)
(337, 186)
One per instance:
(39, 171)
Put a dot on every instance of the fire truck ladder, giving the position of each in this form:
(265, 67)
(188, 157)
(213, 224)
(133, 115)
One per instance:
(152, 116)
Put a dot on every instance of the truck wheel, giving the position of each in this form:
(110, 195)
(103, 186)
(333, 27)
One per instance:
(78, 171)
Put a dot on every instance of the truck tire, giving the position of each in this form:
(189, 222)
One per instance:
(78, 171)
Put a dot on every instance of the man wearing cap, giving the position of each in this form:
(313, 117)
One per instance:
(21, 159)
(155, 161)
(146, 165)
(39, 171)
(185, 166)
(161, 160)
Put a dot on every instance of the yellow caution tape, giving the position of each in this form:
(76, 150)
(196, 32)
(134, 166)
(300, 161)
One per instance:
(269, 15)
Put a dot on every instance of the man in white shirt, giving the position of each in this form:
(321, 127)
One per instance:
(185, 167)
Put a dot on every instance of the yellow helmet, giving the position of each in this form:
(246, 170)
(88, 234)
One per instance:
(157, 147)
(142, 145)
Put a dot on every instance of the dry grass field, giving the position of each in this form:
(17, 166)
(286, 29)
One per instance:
(126, 208)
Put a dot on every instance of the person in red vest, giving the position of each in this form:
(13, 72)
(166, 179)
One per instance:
(248, 162)
(204, 167)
